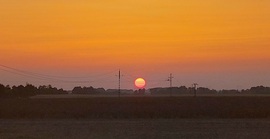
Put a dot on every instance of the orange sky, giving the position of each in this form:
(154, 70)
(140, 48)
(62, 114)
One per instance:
(188, 38)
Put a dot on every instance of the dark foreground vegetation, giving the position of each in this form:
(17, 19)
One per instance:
(136, 108)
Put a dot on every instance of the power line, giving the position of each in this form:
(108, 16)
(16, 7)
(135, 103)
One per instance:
(55, 76)
(50, 77)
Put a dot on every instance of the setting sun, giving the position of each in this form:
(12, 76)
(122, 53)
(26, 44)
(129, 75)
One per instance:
(140, 83)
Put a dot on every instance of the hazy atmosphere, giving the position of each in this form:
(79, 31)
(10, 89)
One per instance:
(217, 44)
(133, 69)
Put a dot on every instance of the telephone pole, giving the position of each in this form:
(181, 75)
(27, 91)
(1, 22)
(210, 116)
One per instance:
(170, 80)
(195, 89)
(119, 84)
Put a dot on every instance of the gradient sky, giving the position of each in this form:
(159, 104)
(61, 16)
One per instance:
(215, 43)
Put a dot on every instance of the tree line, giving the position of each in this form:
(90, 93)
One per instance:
(30, 90)
(27, 91)
(204, 90)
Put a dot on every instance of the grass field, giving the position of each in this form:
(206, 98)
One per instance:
(204, 107)
(84, 117)
(135, 129)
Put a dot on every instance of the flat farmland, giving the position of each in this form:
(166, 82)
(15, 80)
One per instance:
(84, 117)
(203, 107)
(135, 129)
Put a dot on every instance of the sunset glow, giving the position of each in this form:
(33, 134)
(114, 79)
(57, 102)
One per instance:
(218, 44)
(140, 83)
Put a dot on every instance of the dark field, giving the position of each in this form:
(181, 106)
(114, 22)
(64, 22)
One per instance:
(136, 117)
(135, 129)
(137, 108)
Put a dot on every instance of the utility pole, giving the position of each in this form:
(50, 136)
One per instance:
(119, 84)
(170, 80)
(195, 89)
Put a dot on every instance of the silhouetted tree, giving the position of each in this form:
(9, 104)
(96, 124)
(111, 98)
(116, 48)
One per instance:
(232, 91)
(5, 91)
(24, 92)
(50, 90)
(140, 91)
(206, 90)
(87, 90)
(77, 90)
(30, 90)
(175, 90)
(260, 89)
(183, 89)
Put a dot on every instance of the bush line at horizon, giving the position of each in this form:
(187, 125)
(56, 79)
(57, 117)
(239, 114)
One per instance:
(30, 90)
